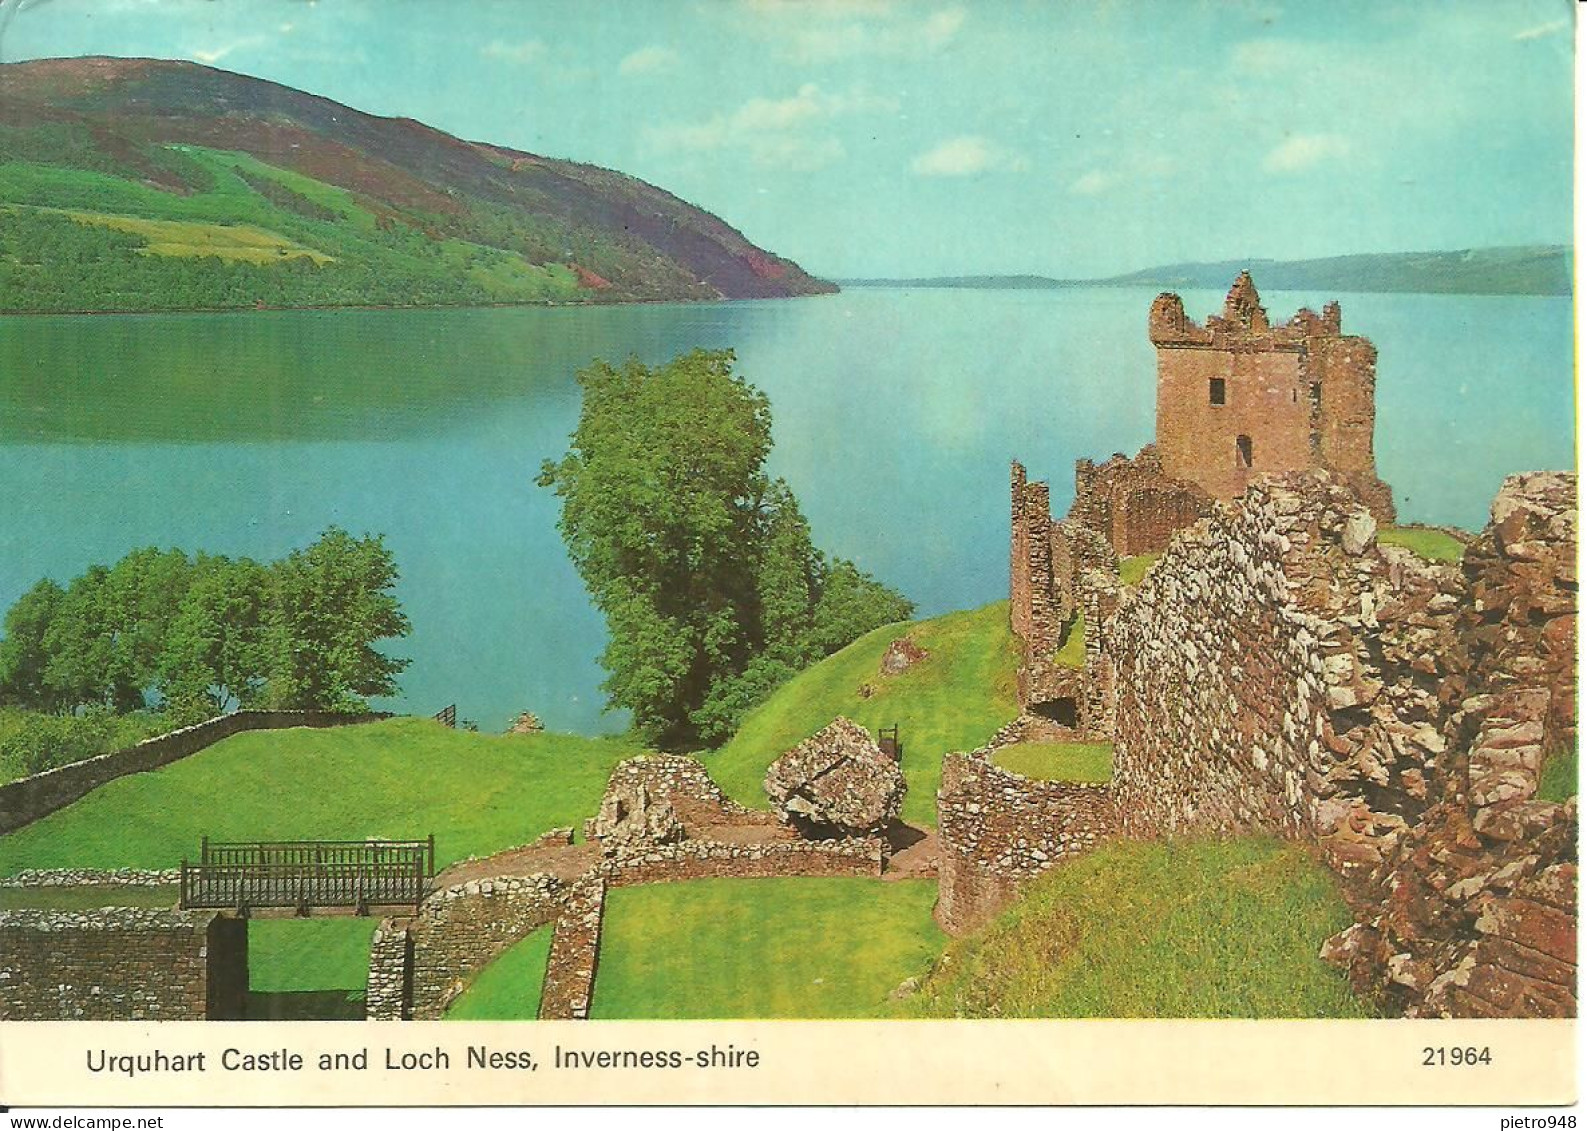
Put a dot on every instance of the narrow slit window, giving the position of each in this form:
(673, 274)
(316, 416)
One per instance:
(1242, 451)
(1217, 391)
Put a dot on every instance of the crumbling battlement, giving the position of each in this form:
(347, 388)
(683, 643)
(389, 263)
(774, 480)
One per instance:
(1240, 396)
(1132, 504)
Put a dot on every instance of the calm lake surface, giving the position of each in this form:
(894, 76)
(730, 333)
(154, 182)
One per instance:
(896, 413)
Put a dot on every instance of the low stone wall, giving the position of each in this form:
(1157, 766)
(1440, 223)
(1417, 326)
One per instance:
(388, 992)
(659, 798)
(698, 860)
(122, 964)
(462, 929)
(998, 829)
(27, 799)
(575, 952)
(77, 877)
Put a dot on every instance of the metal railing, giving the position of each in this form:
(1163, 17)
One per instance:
(307, 874)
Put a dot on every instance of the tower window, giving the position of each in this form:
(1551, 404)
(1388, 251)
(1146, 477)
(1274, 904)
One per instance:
(1217, 392)
(1242, 451)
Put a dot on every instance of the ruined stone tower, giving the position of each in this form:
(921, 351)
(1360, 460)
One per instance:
(1240, 396)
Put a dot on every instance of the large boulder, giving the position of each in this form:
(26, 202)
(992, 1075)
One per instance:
(837, 781)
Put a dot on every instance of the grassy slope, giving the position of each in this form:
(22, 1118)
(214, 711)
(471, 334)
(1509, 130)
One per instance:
(402, 778)
(1202, 928)
(509, 988)
(1132, 570)
(1434, 545)
(1059, 761)
(763, 948)
(1560, 779)
(952, 700)
(301, 969)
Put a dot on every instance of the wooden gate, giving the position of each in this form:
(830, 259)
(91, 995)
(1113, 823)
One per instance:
(304, 875)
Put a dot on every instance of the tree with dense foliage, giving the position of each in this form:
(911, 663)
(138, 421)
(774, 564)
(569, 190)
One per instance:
(196, 637)
(701, 563)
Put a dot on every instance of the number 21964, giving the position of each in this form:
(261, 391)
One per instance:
(1469, 1055)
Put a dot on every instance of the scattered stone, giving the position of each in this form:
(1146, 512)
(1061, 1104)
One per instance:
(526, 723)
(901, 655)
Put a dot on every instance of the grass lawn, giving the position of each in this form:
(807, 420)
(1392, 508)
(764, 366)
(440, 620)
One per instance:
(1194, 928)
(401, 778)
(791, 947)
(509, 988)
(1434, 545)
(94, 895)
(1072, 653)
(308, 969)
(1059, 761)
(1131, 570)
(952, 700)
(1560, 779)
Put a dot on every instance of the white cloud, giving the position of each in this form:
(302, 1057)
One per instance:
(1092, 183)
(648, 59)
(1541, 30)
(528, 51)
(774, 132)
(817, 31)
(966, 156)
(1302, 151)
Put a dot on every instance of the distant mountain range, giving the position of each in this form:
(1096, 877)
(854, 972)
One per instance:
(1539, 270)
(131, 184)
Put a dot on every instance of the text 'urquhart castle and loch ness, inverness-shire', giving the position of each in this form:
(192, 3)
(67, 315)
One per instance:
(1278, 668)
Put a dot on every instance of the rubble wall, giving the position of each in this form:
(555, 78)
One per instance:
(122, 964)
(999, 829)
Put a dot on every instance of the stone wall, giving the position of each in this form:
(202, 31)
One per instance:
(122, 964)
(462, 929)
(659, 798)
(575, 953)
(1279, 671)
(1132, 504)
(78, 877)
(698, 860)
(998, 829)
(388, 992)
(27, 799)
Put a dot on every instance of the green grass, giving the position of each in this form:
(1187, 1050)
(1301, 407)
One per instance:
(82, 898)
(192, 237)
(509, 988)
(1072, 653)
(1434, 545)
(1559, 780)
(952, 700)
(308, 969)
(402, 778)
(1131, 570)
(1059, 761)
(1196, 928)
(831, 947)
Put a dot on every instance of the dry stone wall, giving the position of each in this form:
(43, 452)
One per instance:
(999, 829)
(122, 964)
(462, 929)
(1277, 670)
(699, 860)
(27, 799)
(575, 953)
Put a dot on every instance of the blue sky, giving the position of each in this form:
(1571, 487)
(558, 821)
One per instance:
(917, 137)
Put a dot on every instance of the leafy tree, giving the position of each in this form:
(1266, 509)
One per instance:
(22, 653)
(325, 608)
(214, 657)
(702, 565)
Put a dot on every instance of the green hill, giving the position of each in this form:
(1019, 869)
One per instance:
(954, 699)
(140, 184)
(1192, 928)
(404, 778)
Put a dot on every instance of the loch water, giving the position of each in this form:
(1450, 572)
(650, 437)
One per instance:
(895, 412)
